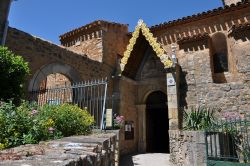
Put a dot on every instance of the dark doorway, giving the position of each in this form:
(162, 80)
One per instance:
(157, 123)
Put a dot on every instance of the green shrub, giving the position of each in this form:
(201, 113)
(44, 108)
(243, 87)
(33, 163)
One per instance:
(29, 124)
(199, 118)
(13, 123)
(12, 75)
(69, 119)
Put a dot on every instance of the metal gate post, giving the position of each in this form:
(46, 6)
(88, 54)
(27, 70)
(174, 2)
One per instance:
(104, 105)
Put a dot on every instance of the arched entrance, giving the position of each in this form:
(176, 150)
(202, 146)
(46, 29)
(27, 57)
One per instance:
(53, 68)
(157, 123)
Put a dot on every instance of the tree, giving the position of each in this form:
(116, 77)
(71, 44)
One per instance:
(13, 71)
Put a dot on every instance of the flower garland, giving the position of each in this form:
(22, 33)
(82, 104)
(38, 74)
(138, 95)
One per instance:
(152, 41)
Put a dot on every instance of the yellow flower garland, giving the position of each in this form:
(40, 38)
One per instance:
(152, 41)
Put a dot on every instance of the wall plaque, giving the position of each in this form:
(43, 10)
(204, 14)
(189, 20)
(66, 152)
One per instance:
(109, 118)
(170, 81)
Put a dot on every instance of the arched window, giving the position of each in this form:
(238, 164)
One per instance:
(220, 62)
(219, 53)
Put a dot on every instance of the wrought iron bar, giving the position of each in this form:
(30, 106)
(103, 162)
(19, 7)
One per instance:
(90, 95)
(228, 141)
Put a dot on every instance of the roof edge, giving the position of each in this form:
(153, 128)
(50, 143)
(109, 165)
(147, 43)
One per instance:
(200, 16)
(94, 24)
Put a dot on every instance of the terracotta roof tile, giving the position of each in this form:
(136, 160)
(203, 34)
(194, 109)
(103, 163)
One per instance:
(94, 24)
(200, 15)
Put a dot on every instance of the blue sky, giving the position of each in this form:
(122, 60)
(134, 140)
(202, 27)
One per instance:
(50, 18)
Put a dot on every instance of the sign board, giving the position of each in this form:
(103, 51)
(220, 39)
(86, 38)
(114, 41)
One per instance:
(171, 90)
(170, 81)
(109, 118)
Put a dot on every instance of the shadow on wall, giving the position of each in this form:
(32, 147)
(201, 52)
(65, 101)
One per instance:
(244, 36)
(194, 46)
(183, 87)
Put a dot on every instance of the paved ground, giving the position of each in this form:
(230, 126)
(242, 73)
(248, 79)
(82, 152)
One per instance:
(148, 159)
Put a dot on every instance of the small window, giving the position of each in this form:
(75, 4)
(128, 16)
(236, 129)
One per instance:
(219, 57)
(219, 53)
(220, 62)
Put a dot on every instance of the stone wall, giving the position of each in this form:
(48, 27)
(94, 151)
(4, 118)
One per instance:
(197, 81)
(94, 150)
(91, 47)
(56, 80)
(198, 87)
(187, 148)
(129, 111)
(40, 53)
(115, 41)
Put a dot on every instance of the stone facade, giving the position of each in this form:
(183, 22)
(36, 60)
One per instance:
(91, 47)
(94, 50)
(187, 148)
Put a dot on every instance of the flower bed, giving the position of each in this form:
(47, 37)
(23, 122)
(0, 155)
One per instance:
(29, 124)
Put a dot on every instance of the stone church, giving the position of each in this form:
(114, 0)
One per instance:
(153, 71)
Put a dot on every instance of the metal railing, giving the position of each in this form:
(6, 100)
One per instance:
(228, 141)
(89, 95)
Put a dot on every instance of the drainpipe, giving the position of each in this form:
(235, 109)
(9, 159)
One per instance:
(5, 31)
(6, 24)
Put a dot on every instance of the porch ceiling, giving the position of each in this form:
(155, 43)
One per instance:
(136, 57)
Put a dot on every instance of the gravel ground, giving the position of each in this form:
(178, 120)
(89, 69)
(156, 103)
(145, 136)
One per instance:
(148, 159)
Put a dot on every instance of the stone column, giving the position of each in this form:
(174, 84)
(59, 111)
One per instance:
(142, 127)
(172, 92)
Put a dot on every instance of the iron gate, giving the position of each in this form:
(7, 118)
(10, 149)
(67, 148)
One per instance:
(228, 142)
(89, 95)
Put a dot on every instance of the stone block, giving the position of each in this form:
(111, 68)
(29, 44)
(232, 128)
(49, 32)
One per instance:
(187, 148)
(76, 150)
(172, 113)
(173, 124)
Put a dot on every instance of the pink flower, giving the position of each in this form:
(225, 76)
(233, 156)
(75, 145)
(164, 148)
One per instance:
(34, 112)
(51, 130)
(120, 119)
(231, 116)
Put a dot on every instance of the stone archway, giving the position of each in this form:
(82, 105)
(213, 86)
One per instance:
(51, 68)
(157, 123)
(146, 62)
